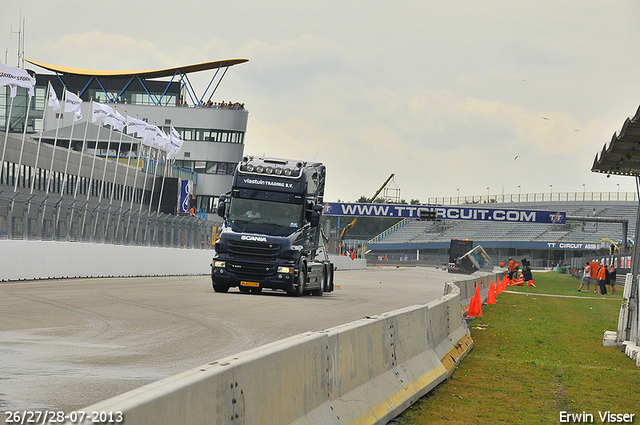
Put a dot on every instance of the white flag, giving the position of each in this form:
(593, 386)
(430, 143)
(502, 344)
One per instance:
(135, 125)
(161, 139)
(176, 143)
(53, 99)
(16, 77)
(101, 112)
(149, 133)
(116, 120)
(72, 103)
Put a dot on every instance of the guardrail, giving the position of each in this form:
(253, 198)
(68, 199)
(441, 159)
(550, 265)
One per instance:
(364, 372)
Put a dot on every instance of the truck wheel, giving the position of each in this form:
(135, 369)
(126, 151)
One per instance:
(220, 288)
(323, 282)
(302, 280)
(330, 277)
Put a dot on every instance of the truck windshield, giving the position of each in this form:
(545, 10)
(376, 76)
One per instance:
(272, 218)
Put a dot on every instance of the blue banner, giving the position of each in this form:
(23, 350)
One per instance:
(185, 191)
(444, 213)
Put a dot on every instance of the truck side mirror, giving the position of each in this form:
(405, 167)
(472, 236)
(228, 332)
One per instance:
(221, 205)
(315, 215)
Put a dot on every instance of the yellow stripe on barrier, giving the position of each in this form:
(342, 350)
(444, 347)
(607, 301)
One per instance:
(460, 349)
(396, 399)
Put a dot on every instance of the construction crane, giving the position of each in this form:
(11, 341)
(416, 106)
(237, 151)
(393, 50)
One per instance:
(353, 223)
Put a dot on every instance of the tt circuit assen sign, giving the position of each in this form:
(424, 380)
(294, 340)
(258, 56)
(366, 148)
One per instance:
(442, 213)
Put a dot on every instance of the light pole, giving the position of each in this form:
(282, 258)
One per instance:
(551, 192)
(618, 191)
(487, 194)
(584, 191)
(458, 190)
(518, 193)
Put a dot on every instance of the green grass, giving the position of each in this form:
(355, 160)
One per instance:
(535, 356)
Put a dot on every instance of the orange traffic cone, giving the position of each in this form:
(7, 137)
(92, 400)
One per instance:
(491, 298)
(531, 283)
(498, 286)
(475, 305)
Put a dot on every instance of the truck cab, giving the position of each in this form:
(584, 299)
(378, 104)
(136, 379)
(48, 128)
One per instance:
(271, 236)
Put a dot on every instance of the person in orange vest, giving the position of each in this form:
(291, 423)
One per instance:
(601, 278)
(512, 267)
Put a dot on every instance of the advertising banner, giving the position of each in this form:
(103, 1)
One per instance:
(444, 213)
(185, 196)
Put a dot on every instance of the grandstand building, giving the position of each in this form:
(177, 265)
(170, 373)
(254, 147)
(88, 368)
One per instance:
(545, 245)
(213, 133)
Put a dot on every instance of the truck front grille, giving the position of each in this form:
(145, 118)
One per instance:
(253, 249)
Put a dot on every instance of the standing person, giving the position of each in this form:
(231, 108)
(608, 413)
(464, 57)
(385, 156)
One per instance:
(586, 277)
(511, 268)
(612, 279)
(602, 272)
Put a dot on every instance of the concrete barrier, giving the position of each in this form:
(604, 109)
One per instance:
(23, 259)
(364, 372)
(342, 262)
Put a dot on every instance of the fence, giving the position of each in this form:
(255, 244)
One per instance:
(535, 197)
(56, 218)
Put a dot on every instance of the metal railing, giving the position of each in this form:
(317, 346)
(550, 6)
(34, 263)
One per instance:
(535, 197)
(55, 218)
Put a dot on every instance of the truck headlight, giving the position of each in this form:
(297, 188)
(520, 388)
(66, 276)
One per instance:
(219, 264)
(286, 270)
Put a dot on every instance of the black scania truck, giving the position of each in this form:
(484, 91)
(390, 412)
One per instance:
(271, 235)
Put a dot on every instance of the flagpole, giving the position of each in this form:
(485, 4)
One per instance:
(115, 171)
(144, 188)
(44, 114)
(106, 158)
(153, 185)
(135, 181)
(146, 171)
(55, 140)
(24, 134)
(163, 175)
(93, 163)
(6, 136)
(82, 151)
(66, 165)
(104, 173)
(126, 175)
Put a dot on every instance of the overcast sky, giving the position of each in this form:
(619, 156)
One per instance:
(445, 94)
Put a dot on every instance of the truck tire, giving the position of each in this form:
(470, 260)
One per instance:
(330, 277)
(323, 282)
(219, 287)
(302, 280)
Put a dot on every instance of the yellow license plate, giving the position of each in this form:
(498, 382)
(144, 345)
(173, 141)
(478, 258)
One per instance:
(255, 284)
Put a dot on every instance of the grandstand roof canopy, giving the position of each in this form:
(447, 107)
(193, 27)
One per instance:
(621, 155)
(149, 73)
